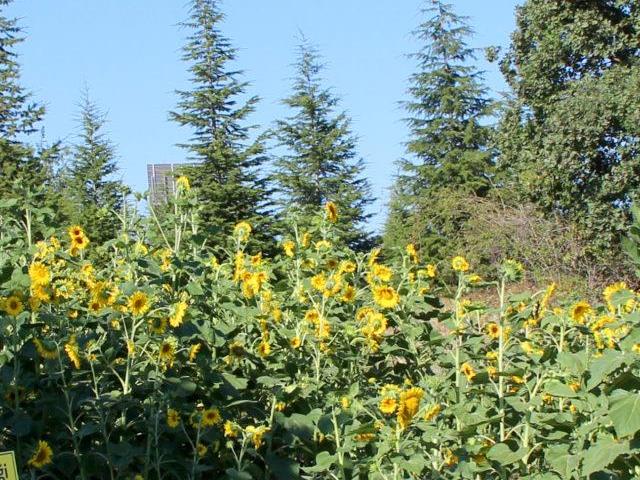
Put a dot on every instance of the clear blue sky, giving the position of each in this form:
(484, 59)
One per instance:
(128, 54)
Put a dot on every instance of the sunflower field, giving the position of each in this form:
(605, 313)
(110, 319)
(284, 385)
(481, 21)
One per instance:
(180, 360)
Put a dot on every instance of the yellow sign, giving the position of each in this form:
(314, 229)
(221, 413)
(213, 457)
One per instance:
(8, 470)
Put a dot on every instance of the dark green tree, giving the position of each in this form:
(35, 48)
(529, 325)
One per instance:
(230, 186)
(449, 145)
(96, 193)
(320, 162)
(19, 115)
(569, 137)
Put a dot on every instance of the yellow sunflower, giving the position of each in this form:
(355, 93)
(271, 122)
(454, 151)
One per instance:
(409, 405)
(39, 274)
(211, 417)
(580, 311)
(138, 303)
(173, 418)
(41, 456)
(12, 305)
(331, 211)
(459, 264)
(388, 405)
(385, 296)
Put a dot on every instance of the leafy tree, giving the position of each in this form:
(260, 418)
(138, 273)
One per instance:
(230, 187)
(569, 137)
(320, 163)
(449, 145)
(95, 192)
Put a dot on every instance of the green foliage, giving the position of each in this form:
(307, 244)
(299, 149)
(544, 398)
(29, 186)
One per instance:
(569, 136)
(631, 243)
(229, 183)
(320, 163)
(94, 192)
(449, 138)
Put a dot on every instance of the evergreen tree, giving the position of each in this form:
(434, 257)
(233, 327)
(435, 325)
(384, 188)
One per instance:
(19, 116)
(570, 135)
(92, 185)
(449, 145)
(230, 187)
(320, 163)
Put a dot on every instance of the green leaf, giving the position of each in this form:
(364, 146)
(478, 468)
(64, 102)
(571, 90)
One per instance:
(559, 389)
(625, 412)
(558, 457)
(324, 460)
(502, 454)
(601, 454)
(236, 382)
(282, 468)
(234, 474)
(603, 366)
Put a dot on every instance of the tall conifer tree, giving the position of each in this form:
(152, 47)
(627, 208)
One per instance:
(321, 163)
(97, 194)
(19, 116)
(448, 148)
(230, 187)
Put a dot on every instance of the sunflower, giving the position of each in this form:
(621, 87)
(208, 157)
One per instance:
(331, 210)
(182, 183)
(41, 456)
(388, 405)
(12, 305)
(412, 252)
(178, 314)
(193, 351)
(264, 349)
(348, 294)
(386, 297)
(201, 449)
(256, 434)
(409, 405)
(295, 342)
(158, 325)
(381, 272)
(468, 371)
(167, 352)
(173, 418)
(459, 264)
(580, 311)
(432, 412)
(211, 417)
(242, 230)
(289, 248)
(138, 303)
(493, 330)
(610, 291)
(230, 430)
(319, 282)
(79, 243)
(44, 350)
(39, 274)
(73, 352)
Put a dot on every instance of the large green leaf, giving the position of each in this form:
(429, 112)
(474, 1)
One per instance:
(502, 454)
(601, 454)
(625, 412)
(559, 458)
(603, 366)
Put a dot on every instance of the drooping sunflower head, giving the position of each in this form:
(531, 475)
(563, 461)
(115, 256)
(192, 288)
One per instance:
(331, 212)
(42, 455)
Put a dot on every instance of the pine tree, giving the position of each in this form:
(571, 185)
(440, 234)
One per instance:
(570, 136)
(97, 194)
(449, 145)
(19, 116)
(230, 187)
(320, 163)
